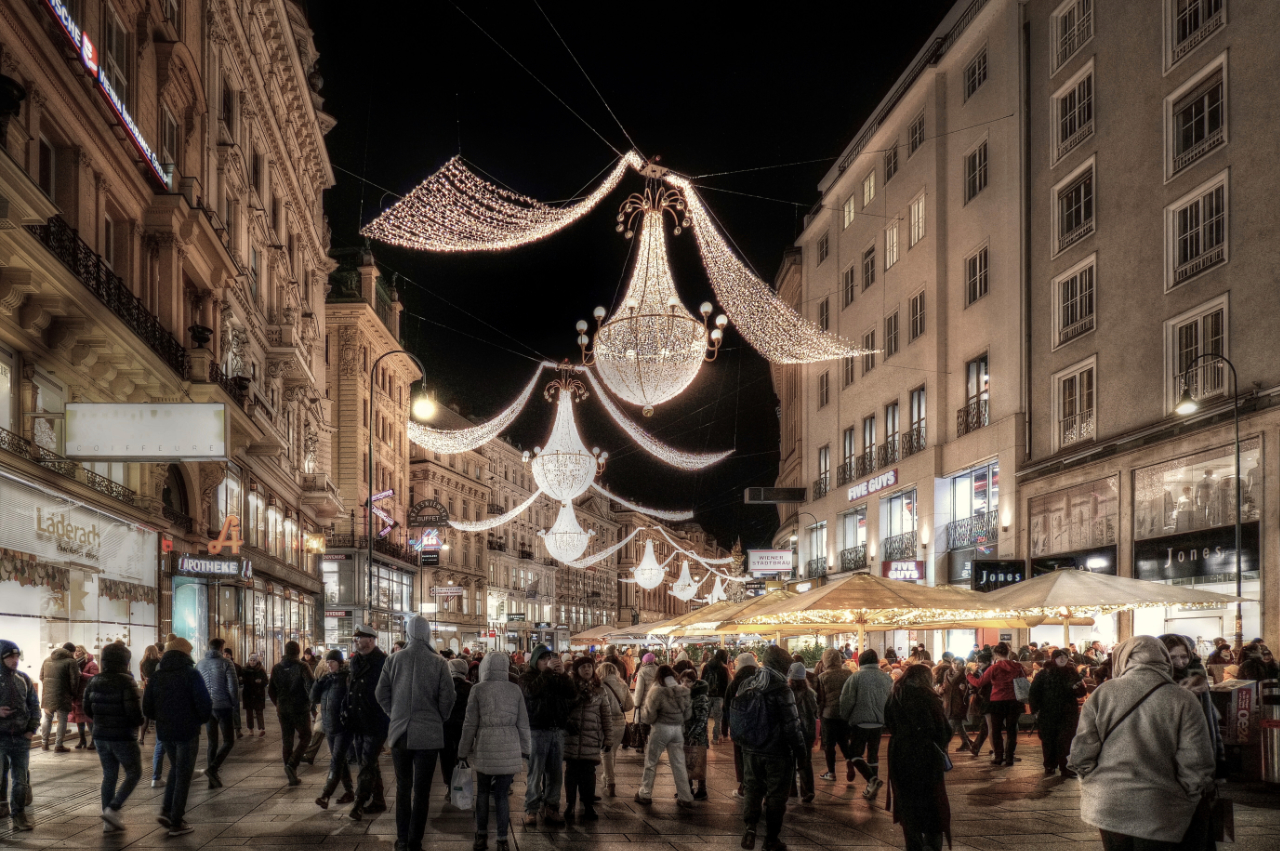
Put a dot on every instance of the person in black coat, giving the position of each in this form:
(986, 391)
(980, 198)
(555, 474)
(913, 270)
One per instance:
(461, 671)
(919, 733)
(178, 701)
(368, 724)
(290, 690)
(253, 692)
(111, 700)
(330, 692)
(1054, 698)
(745, 664)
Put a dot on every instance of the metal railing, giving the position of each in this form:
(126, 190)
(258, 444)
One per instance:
(865, 464)
(63, 242)
(1069, 144)
(525, 554)
(973, 416)
(494, 508)
(899, 547)
(20, 446)
(1075, 329)
(970, 531)
(912, 442)
(1199, 149)
(854, 558)
(177, 518)
(1076, 234)
(821, 487)
(887, 452)
(1075, 428)
(816, 567)
(844, 473)
(498, 546)
(232, 385)
(1203, 261)
(1194, 31)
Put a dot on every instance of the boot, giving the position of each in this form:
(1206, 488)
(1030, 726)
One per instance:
(347, 797)
(323, 802)
(700, 794)
(502, 845)
(378, 805)
(551, 817)
(82, 744)
(20, 821)
(357, 813)
(611, 790)
(481, 842)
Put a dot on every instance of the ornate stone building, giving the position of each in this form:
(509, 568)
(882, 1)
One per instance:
(638, 605)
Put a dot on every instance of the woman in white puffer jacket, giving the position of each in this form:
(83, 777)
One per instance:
(495, 738)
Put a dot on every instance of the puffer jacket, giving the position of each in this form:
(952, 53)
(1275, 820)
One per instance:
(645, 678)
(743, 674)
(59, 680)
(330, 692)
(495, 732)
(220, 679)
(619, 707)
(1000, 677)
(19, 694)
(830, 683)
(549, 695)
(807, 709)
(590, 723)
(176, 698)
(783, 735)
(695, 729)
(111, 700)
(864, 694)
(255, 686)
(667, 705)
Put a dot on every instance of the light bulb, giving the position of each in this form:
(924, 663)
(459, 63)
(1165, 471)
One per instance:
(583, 339)
(722, 321)
(581, 327)
(706, 308)
(599, 313)
(424, 408)
(716, 334)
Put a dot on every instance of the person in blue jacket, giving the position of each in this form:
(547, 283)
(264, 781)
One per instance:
(19, 721)
(178, 701)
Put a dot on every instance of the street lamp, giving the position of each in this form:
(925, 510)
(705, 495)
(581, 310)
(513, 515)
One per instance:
(1187, 406)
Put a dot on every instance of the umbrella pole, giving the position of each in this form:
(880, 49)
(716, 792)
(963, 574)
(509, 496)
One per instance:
(862, 636)
(1066, 631)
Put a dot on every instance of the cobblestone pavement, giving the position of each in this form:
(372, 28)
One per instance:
(993, 809)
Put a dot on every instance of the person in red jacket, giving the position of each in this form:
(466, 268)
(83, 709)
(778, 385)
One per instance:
(1005, 709)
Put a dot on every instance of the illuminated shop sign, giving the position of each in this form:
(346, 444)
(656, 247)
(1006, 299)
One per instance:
(887, 479)
(89, 58)
(201, 565)
(907, 571)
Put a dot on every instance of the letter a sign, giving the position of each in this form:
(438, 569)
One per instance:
(229, 537)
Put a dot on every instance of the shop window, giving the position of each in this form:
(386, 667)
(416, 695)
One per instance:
(900, 513)
(1197, 492)
(6, 391)
(1077, 518)
(855, 527)
(115, 54)
(50, 399)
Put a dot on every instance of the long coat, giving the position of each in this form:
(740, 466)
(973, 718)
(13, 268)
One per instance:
(618, 707)
(919, 733)
(495, 732)
(88, 670)
(416, 690)
(590, 724)
(254, 690)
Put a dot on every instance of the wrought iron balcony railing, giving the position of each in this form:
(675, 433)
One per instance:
(1075, 429)
(816, 567)
(235, 386)
(973, 416)
(20, 446)
(494, 508)
(854, 558)
(865, 464)
(844, 473)
(970, 531)
(899, 547)
(887, 452)
(821, 487)
(499, 546)
(525, 554)
(912, 442)
(177, 518)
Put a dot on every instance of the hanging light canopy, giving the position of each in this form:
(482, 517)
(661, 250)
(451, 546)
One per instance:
(651, 349)
(565, 469)
(565, 540)
(684, 588)
(648, 573)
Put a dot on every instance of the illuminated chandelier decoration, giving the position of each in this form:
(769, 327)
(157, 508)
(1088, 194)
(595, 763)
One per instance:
(684, 588)
(716, 594)
(648, 573)
(565, 540)
(651, 349)
(494, 522)
(454, 441)
(564, 470)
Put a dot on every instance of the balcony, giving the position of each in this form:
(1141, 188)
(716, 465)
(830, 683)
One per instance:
(525, 554)
(1197, 264)
(494, 508)
(237, 387)
(981, 529)
(865, 464)
(1077, 233)
(20, 446)
(1198, 150)
(63, 242)
(912, 442)
(821, 487)
(844, 473)
(1193, 27)
(1075, 329)
(853, 558)
(1075, 429)
(816, 567)
(497, 546)
(972, 417)
(887, 453)
(899, 547)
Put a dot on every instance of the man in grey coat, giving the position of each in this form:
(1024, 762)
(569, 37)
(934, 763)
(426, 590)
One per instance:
(224, 688)
(862, 701)
(416, 690)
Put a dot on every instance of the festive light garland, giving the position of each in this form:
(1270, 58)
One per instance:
(648, 573)
(717, 592)
(605, 553)
(565, 541)
(676, 458)
(454, 210)
(648, 512)
(465, 439)
(494, 522)
(706, 561)
(765, 321)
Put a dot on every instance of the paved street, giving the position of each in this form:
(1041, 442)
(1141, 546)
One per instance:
(994, 809)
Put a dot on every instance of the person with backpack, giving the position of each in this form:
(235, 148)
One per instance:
(111, 700)
(19, 721)
(667, 706)
(766, 724)
(178, 701)
(918, 736)
(495, 735)
(290, 690)
(1005, 708)
(367, 722)
(716, 675)
(224, 690)
(549, 695)
(862, 701)
(745, 665)
(329, 692)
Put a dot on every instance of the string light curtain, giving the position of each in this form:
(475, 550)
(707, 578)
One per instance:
(606, 552)
(765, 321)
(451, 442)
(494, 522)
(648, 512)
(454, 210)
(675, 457)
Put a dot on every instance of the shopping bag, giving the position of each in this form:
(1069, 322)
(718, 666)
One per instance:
(462, 789)
(1022, 689)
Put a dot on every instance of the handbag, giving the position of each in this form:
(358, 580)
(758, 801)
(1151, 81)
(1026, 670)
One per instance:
(628, 736)
(1022, 688)
(946, 760)
(462, 787)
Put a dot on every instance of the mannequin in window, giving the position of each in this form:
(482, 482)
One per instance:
(1186, 510)
(1205, 498)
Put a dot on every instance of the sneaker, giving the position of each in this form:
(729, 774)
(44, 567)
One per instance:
(112, 817)
(749, 839)
(157, 783)
(827, 776)
(262, 734)
(644, 802)
(873, 788)
(163, 821)
(530, 819)
(181, 829)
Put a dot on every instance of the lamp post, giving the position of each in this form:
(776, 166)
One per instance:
(1186, 406)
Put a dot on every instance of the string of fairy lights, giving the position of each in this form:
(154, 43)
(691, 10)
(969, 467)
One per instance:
(453, 441)
(495, 522)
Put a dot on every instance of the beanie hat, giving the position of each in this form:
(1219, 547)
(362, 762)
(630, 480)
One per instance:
(582, 660)
(458, 666)
(333, 656)
(177, 643)
(647, 658)
(797, 672)
(115, 658)
(746, 660)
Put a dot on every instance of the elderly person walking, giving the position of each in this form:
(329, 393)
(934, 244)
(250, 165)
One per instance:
(1143, 754)
(495, 735)
(416, 690)
(918, 735)
(667, 705)
(224, 690)
(619, 706)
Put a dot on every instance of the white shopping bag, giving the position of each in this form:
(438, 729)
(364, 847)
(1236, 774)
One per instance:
(462, 788)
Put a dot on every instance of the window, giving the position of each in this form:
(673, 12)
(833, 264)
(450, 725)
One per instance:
(1075, 402)
(229, 220)
(1194, 492)
(976, 493)
(891, 162)
(915, 311)
(868, 434)
(818, 542)
(1075, 300)
(255, 171)
(917, 413)
(891, 425)
(868, 188)
(1197, 225)
(901, 517)
(868, 267)
(172, 10)
(848, 283)
(977, 379)
(824, 389)
(976, 281)
(1199, 119)
(108, 242)
(848, 370)
(975, 74)
(848, 211)
(824, 463)
(915, 135)
(891, 245)
(869, 344)
(824, 314)
(855, 528)
(850, 444)
(46, 167)
(891, 335)
(1072, 27)
(227, 110)
(1202, 331)
(115, 55)
(169, 144)
(824, 248)
(917, 221)
(975, 172)
(1073, 207)
(1193, 22)
(1073, 113)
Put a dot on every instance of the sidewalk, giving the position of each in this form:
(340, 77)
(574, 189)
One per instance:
(993, 809)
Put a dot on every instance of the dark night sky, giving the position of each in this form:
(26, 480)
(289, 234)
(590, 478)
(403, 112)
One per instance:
(708, 88)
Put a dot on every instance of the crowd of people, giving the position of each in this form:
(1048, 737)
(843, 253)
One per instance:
(1145, 756)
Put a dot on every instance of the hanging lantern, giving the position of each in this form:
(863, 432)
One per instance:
(565, 469)
(648, 573)
(565, 540)
(684, 588)
(717, 592)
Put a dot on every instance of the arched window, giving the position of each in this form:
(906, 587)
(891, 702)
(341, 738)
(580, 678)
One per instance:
(174, 495)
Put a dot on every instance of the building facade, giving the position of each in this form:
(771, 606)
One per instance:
(641, 605)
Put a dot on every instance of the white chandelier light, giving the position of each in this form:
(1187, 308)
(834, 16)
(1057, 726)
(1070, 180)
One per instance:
(685, 588)
(651, 349)
(716, 594)
(565, 540)
(454, 441)
(564, 470)
(648, 573)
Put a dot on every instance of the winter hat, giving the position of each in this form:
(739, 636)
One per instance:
(177, 643)
(8, 648)
(746, 660)
(797, 672)
(582, 660)
(777, 658)
(647, 658)
(459, 667)
(115, 658)
(333, 656)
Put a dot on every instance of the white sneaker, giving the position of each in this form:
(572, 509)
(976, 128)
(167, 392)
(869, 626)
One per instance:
(112, 817)
(106, 828)
(873, 788)
(157, 783)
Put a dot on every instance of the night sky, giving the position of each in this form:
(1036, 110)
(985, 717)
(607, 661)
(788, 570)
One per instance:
(705, 86)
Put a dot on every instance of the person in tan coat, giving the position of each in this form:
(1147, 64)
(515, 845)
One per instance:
(620, 704)
(666, 707)
(59, 684)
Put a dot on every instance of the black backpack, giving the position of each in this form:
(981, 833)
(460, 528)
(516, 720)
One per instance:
(749, 717)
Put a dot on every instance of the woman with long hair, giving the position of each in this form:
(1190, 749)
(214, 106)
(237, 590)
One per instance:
(147, 667)
(667, 706)
(589, 727)
(919, 733)
(611, 677)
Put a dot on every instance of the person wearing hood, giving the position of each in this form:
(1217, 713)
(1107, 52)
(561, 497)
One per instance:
(645, 676)
(290, 690)
(918, 737)
(1143, 753)
(460, 670)
(224, 690)
(954, 690)
(807, 708)
(835, 733)
(1190, 674)
(862, 703)
(59, 679)
(1055, 693)
(254, 693)
(111, 700)
(695, 732)
(745, 664)
(19, 721)
(179, 703)
(548, 695)
(666, 708)
(366, 721)
(588, 731)
(88, 670)
(716, 675)
(495, 735)
(417, 692)
(330, 691)
(620, 704)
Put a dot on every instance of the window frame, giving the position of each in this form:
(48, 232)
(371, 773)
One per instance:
(1089, 364)
(1169, 110)
(43, 146)
(824, 314)
(1196, 195)
(1173, 389)
(849, 210)
(869, 188)
(916, 216)
(823, 245)
(1057, 58)
(979, 155)
(890, 246)
(984, 273)
(868, 266)
(891, 164)
(1090, 262)
(850, 371)
(915, 316)
(869, 343)
(977, 67)
(110, 64)
(108, 240)
(848, 285)
(1060, 149)
(915, 135)
(824, 389)
(892, 335)
(1068, 182)
(1202, 37)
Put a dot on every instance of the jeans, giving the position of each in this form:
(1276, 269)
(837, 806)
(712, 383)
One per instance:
(499, 785)
(957, 728)
(339, 744)
(114, 756)
(717, 715)
(984, 730)
(48, 723)
(413, 791)
(317, 737)
(765, 783)
(738, 772)
(1055, 742)
(546, 771)
(835, 732)
(669, 738)
(1004, 719)
(182, 762)
(255, 713)
(868, 739)
(17, 755)
(290, 725)
(609, 761)
(369, 782)
(224, 720)
(579, 782)
(157, 761)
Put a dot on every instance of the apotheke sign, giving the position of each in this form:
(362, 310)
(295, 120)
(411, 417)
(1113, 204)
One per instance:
(201, 565)
(887, 479)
